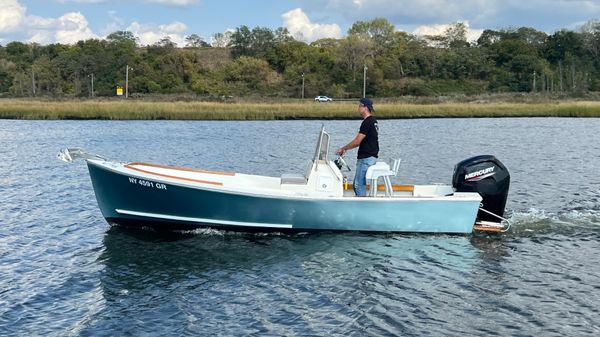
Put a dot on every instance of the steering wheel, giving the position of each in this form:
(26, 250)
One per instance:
(341, 163)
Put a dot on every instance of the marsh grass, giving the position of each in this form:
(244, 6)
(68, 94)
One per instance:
(142, 110)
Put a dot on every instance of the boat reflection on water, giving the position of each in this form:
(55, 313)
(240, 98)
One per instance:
(338, 282)
(135, 259)
(132, 254)
(146, 252)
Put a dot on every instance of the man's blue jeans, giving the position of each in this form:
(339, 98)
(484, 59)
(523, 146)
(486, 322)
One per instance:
(360, 180)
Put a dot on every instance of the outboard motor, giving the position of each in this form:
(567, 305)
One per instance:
(487, 176)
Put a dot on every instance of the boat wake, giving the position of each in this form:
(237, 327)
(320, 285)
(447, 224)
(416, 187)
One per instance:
(208, 232)
(224, 232)
(570, 222)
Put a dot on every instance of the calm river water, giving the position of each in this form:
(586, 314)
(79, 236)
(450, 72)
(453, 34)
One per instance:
(65, 272)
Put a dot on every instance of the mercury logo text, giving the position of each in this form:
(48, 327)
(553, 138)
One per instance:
(484, 173)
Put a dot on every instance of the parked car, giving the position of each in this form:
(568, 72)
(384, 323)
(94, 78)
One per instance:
(323, 99)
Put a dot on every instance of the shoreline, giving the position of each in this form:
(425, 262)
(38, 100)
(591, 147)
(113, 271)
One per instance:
(196, 110)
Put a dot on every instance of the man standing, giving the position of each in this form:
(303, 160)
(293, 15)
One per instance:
(367, 141)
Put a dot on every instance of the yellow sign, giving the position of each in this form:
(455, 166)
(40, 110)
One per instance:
(119, 91)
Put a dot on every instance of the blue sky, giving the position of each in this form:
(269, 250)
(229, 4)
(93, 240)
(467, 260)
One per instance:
(68, 21)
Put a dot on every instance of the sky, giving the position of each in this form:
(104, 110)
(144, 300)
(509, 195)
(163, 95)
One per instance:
(68, 21)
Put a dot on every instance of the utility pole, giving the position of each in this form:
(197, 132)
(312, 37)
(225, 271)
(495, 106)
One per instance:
(127, 80)
(534, 87)
(365, 81)
(302, 85)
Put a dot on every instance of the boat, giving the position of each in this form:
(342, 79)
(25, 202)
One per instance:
(162, 197)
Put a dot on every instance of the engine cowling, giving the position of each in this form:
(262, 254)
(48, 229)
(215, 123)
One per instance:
(487, 176)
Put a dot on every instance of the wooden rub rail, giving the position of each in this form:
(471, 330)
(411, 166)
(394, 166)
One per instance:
(179, 168)
(132, 166)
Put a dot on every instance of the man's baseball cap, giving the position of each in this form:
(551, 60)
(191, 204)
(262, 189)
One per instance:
(368, 103)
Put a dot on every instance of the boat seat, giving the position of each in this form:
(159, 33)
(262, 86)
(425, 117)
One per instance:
(382, 170)
(296, 178)
(293, 178)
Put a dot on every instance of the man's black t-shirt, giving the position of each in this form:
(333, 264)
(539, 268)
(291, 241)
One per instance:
(369, 147)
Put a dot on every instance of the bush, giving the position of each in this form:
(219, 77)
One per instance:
(338, 91)
(153, 87)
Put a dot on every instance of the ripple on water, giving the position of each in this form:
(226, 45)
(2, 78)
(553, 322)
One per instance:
(66, 272)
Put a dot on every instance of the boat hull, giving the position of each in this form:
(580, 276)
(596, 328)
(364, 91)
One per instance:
(165, 205)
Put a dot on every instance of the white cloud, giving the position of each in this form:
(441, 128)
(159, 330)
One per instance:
(300, 26)
(73, 27)
(69, 28)
(12, 14)
(35, 22)
(150, 33)
(472, 34)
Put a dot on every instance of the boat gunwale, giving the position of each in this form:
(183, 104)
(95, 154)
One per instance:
(179, 168)
(129, 166)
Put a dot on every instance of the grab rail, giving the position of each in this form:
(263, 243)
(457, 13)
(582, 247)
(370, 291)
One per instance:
(505, 229)
(69, 154)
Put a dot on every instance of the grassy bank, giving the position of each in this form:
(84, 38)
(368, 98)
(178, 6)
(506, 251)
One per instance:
(136, 110)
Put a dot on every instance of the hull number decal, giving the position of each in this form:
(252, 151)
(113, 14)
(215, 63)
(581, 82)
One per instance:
(146, 183)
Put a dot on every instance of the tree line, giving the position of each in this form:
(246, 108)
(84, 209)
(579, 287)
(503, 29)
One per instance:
(266, 62)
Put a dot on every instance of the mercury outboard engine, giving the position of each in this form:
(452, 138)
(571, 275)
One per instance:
(487, 176)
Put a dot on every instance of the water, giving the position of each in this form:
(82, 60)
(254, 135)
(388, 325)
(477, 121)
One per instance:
(65, 272)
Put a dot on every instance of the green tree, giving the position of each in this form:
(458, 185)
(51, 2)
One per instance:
(241, 42)
(7, 70)
(166, 43)
(258, 42)
(591, 38)
(559, 44)
(221, 40)
(355, 52)
(19, 53)
(195, 41)
(531, 36)
(122, 37)
(455, 36)
(270, 62)
(249, 74)
(379, 31)
(47, 76)
(488, 38)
